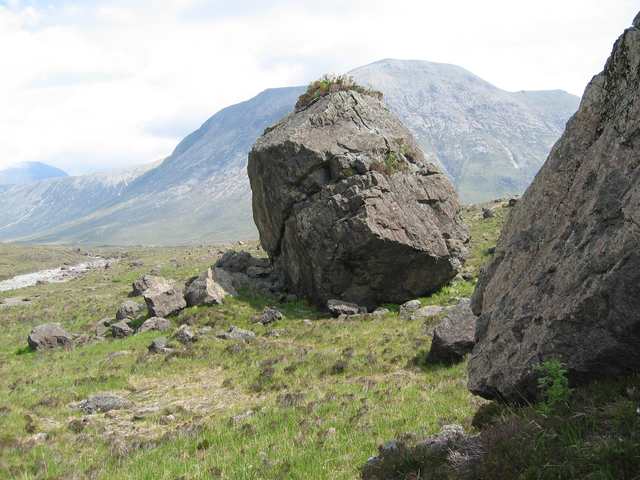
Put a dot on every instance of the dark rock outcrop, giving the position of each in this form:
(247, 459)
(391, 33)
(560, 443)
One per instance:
(49, 335)
(347, 206)
(565, 279)
(241, 270)
(454, 336)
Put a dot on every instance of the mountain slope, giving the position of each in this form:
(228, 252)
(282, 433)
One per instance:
(491, 142)
(29, 172)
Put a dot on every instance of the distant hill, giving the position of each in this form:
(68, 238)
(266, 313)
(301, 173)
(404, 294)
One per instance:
(491, 142)
(29, 172)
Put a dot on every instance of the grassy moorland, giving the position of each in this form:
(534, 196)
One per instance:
(309, 398)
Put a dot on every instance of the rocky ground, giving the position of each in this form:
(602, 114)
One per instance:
(307, 396)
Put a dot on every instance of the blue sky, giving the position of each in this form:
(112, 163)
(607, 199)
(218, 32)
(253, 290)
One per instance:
(92, 85)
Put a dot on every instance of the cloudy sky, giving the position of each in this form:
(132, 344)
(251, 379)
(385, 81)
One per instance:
(90, 85)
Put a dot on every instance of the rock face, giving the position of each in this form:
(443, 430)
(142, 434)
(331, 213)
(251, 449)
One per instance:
(565, 279)
(241, 270)
(49, 335)
(454, 337)
(348, 208)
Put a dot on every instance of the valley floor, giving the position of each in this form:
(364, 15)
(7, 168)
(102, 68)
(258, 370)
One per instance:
(309, 398)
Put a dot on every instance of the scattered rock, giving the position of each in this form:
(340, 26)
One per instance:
(408, 308)
(147, 282)
(269, 315)
(338, 307)
(235, 333)
(103, 402)
(159, 345)
(203, 290)
(454, 337)
(129, 310)
(348, 207)
(121, 329)
(162, 303)
(155, 323)
(102, 327)
(565, 281)
(380, 312)
(426, 312)
(449, 455)
(185, 335)
(49, 335)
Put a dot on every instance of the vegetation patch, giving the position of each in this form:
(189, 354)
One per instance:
(331, 84)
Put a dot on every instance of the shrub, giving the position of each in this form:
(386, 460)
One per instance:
(553, 385)
(330, 84)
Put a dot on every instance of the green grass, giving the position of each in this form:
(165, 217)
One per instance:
(324, 394)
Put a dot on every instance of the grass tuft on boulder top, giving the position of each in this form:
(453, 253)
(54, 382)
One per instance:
(330, 84)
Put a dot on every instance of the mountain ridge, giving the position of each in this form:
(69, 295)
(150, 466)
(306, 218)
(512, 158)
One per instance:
(201, 191)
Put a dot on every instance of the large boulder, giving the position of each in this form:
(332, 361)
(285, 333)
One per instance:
(348, 207)
(49, 335)
(203, 290)
(164, 302)
(240, 270)
(565, 280)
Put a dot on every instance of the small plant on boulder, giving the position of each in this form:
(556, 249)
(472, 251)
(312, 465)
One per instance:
(330, 84)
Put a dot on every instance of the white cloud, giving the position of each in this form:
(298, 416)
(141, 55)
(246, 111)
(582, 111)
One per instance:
(95, 84)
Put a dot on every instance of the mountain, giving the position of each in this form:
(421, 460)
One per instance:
(491, 143)
(29, 172)
(36, 209)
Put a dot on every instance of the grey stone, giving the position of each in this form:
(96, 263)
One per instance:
(129, 309)
(146, 282)
(49, 335)
(338, 307)
(454, 337)
(426, 312)
(409, 308)
(121, 329)
(451, 454)
(155, 323)
(565, 280)
(159, 345)
(103, 402)
(162, 303)
(235, 333)
(269, 315)
(488, 213)
(203, 290)
(102, 327)
(380, 312)
(241, 270)
(185, 335)
(386, 235)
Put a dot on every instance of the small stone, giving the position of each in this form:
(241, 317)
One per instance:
(407, 308)
(380, 312)
(49, 335)
(235, 333)
(488, 213)
(121, 329)
(147, 282)
(203, 290)
(155, 323)
(269, 315)
(102, 327)
(129, 310)
(159, 345)
(185, 335)
(103, 402)
(339, 307)
(162, 303)
(454, 337)
(426, 312)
